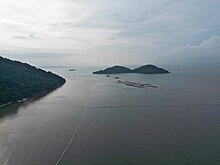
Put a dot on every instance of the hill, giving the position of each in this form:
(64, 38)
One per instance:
(20, 80)
(114, 70)
(150, 69)
(146, 69)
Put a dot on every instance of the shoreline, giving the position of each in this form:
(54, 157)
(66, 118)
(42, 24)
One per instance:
(12, 107)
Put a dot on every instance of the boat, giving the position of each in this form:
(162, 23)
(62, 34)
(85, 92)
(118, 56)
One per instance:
(71, 70)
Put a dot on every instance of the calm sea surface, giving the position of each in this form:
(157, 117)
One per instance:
(110, 123)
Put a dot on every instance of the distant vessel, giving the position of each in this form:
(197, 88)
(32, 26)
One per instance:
(71, 70)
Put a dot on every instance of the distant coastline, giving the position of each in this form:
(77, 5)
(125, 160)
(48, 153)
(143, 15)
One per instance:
(146, 69)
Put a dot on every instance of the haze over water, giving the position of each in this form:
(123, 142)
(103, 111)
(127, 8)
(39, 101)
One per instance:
(176, 123)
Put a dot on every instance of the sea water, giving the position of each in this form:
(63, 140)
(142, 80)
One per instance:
(175, 123)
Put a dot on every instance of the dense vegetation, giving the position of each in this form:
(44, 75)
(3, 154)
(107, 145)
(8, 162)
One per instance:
(19, 81)
(115, 69)
(146, 69)
(150, 69)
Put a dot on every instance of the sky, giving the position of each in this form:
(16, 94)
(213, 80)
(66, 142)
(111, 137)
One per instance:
(107, 32)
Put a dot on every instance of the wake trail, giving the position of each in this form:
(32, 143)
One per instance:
(148, 106)
(79, 123)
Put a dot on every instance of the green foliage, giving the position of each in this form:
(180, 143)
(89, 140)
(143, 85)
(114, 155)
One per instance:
(146, 69)
(19, 80)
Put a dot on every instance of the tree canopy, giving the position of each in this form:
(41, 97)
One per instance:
(20, 80)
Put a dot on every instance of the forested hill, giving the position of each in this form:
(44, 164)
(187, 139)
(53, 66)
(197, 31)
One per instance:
(146, 69)
(20, 80)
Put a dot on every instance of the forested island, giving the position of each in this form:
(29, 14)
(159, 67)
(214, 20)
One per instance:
(21, 81)
(146, 69)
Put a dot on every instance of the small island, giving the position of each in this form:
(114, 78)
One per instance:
(146, 69)
(150, 69)
(114, 70)
(20, 82)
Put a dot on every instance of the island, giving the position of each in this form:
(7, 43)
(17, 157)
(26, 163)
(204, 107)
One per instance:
(20, 82)
(114, 70)
(150, 69)
(146, 69)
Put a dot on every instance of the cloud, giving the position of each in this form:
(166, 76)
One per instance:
(104, 29)
(207, 51)
(26, 37)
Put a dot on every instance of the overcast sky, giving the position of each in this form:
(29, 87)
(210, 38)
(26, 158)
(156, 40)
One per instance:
(106, 32)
